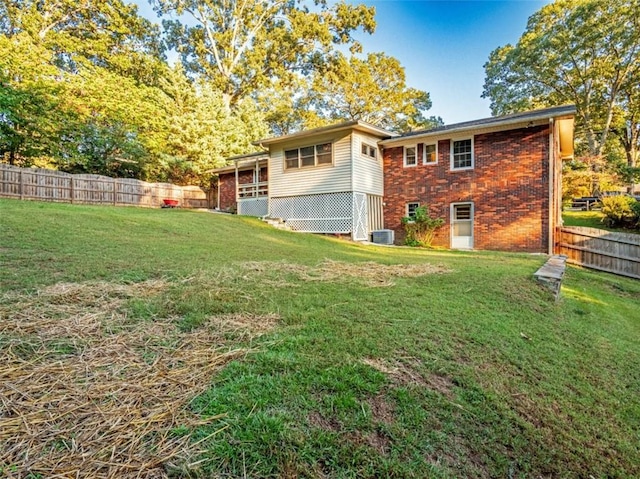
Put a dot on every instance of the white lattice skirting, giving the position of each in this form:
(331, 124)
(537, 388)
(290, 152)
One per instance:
(253, 207)
(325, 213)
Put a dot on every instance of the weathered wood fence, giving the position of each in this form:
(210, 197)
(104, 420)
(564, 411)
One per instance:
(617, 253)
(51, 185)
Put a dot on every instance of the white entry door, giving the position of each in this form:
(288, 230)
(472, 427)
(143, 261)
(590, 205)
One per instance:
(462, 225)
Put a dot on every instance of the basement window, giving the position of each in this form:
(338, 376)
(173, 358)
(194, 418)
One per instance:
(411, 209)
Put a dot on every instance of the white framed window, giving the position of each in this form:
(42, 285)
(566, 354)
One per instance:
(430, 153)
(308, 156)
(369, 150)
(410, 156)
(411, 209)
(462, 154)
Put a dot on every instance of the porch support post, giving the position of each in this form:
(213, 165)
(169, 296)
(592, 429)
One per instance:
(237, 183)
(257, 182)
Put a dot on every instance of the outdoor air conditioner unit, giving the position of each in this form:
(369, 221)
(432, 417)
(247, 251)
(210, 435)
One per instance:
(382, 236)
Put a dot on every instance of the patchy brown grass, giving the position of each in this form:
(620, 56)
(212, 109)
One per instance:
(367, 273)
(86, 391)
(404, 373)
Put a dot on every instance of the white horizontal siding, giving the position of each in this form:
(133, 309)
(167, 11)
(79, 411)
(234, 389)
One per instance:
(367, 171)
(312, 180)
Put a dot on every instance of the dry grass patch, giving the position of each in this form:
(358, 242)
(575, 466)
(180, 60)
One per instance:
(368, 273)
(404, 373)
(86, 391)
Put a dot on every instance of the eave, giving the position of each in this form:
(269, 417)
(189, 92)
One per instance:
(485, 125)
(348, 125)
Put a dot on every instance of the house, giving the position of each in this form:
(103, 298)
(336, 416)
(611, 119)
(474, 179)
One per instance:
(324, 180)
(495, 181)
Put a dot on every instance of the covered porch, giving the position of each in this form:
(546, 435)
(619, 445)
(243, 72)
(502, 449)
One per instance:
(243, 185)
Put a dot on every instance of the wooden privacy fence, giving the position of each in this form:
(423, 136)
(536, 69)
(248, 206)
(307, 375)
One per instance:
(51, 185)
(617, 253)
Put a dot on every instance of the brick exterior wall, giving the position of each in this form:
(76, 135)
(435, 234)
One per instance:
(227, 186)
(509, 187)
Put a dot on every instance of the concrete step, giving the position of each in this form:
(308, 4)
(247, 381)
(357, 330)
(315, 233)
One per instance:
(278, 223)
(551, 273)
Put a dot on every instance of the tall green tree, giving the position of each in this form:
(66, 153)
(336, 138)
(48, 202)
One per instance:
(202, 131)
(26, 126)
(105, 33)
(585, 52)
(86, 73)
(372, 89)
(241, 46)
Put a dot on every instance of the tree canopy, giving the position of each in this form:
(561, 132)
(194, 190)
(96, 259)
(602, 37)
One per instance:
(242, 46)
(85, 85)
(585, 52)
(372, 89)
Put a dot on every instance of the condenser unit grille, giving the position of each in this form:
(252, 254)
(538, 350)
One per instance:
(382, 236)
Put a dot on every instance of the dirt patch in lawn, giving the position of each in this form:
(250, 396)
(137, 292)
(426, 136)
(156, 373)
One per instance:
(87, 391)
(317, 420)
(405, 373)
(381, 410)
(368, 273)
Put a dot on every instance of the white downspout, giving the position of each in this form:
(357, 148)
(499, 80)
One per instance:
(237, 185)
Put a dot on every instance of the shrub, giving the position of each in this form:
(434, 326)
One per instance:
(621, 211)
(421, 228)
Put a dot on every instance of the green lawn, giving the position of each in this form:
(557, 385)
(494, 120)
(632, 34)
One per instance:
(590, 219)
(467, 368)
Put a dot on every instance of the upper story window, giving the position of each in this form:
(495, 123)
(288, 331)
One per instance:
(308, 156)
(462, 154)
(430, 153)
(370, 151)
(410, 157)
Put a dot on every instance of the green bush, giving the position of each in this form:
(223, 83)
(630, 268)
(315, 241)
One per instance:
(621, 211)
(421, 228)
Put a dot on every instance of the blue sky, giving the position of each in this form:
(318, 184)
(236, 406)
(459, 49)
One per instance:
(443, 45)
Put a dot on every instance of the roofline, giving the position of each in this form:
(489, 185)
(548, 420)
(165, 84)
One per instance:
(261, 157)
(355, 125)
(247, 156)
(565, 111)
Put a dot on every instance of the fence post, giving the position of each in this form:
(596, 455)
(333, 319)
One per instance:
(115, 187)
(72, 189)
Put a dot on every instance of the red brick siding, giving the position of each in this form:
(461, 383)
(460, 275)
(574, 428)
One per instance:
(508, 185)
(227, 186)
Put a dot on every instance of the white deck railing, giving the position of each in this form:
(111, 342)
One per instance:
(253, 190)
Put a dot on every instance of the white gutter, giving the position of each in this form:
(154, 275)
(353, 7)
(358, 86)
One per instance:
(445, 132)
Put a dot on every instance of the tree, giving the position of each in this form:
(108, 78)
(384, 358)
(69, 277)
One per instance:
(29, 115)
(79, 81)
(584, 52)
(373, 90)
(25, 122)
(105, 33)
(242, 46)
(202, 131)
